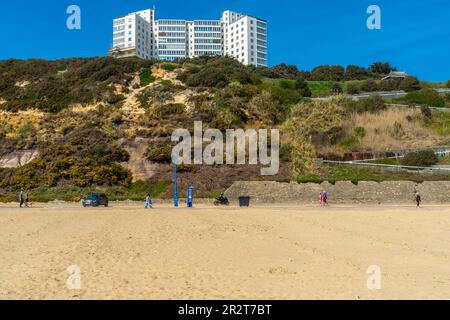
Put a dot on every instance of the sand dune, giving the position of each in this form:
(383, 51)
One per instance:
(274, 252)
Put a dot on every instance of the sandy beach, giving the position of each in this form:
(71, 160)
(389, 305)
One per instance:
(264, 252)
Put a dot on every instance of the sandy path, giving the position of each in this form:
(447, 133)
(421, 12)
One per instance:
(225, 253)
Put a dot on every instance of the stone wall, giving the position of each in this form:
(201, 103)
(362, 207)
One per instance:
(389, 192)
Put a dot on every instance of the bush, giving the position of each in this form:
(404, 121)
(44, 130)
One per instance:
(208, 77)
(410, 84)
(448, 84)
(370, 85)
(353, 88)
(146, 77)
(351, 142)
(426, 112)
(372, 104)
(423, 158)
(360, 132)
(160, 154)
(428, 97)
(169, 109)
(169, 66)
(302, 86)
(328, 73)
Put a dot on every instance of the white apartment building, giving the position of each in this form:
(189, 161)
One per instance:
(237, 35)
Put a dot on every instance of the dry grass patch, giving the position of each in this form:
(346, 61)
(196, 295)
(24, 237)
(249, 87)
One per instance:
(394, 129)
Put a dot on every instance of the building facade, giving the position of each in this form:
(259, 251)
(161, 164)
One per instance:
(237, 35)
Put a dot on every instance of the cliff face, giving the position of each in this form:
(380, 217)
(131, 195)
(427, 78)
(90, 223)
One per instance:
(18, 158)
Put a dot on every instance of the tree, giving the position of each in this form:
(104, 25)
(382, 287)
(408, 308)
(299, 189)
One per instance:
(410, 84)
(356, 73)
(448, 84)
(381, 68)
(328, 73)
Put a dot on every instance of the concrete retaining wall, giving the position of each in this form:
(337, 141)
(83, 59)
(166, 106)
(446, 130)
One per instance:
(390, 192)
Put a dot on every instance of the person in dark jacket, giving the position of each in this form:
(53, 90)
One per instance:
(418, 199)
(21, 199)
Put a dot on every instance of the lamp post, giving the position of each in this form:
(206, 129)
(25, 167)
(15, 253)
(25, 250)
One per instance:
(175, 183)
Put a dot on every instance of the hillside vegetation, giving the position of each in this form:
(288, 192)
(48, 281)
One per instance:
(86, 116)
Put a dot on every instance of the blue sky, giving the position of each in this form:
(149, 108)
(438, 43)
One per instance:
(415, 35)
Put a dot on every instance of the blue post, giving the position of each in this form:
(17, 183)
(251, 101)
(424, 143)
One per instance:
(175, 184)
(190, 197)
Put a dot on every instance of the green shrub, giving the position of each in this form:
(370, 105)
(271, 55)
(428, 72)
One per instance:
(25, 131)
(160, 154)
(370, 85)
(423, 158)
(169, 66)
(427, 97)
(351, 142)
(373, 104)
(146, 77)
(410, 84)
(115, 98)
(360, 132)
(169, 109)
(353, 88)
(310, 178)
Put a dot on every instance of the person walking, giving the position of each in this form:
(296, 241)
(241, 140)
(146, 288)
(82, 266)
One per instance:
(27, 200)
(418, 199)
(148, 202)
(320, 199)
(325, 198)
(21, 199)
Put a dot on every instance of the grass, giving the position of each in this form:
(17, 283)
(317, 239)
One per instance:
(324, 88)
(444, 161)
(440, 123)
(335, 173)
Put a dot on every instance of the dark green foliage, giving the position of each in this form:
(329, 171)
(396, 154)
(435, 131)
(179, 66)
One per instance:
(169, 66)
(428, 97)
(285, 91)
(160, 154)
(303, 88)
(54, 85)
(81, 158)
(369, 85)
(381, 68)
(353, 88)
(328, 73)
(284, 71)
(410, 84)
(216, 72)
(360, 132)
(170, 109)
(423, 158)
(356, 73)
(146, 77)
(372, 104)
